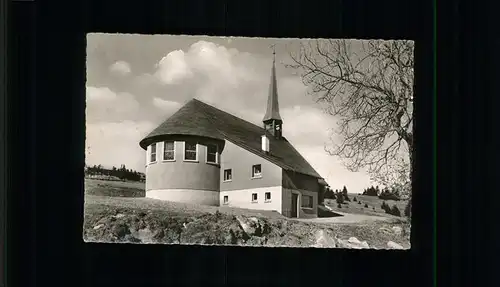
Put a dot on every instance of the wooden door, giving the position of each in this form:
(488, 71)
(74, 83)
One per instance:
(293, 209)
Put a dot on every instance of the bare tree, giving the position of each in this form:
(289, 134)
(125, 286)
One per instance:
(370, 90)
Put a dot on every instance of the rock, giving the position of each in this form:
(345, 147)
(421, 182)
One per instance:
(130, 238)
(343, 243)
(120, 230)
(397, 230)
(119, 215)
(253, 226)
(353, 243)
(256, 241)
(145, 235)
(98, 226)
(246, 225)
(324, 240)
(394, 245)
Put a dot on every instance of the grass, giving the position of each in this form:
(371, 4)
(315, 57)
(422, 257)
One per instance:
(113, 213)
(372, 201)
(114, 188)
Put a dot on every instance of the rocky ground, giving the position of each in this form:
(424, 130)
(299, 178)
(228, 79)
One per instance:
(129, 220)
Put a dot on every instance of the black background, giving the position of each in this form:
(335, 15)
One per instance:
(46, 53)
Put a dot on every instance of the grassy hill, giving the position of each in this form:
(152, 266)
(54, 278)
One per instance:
(114, 188)
(373, 202)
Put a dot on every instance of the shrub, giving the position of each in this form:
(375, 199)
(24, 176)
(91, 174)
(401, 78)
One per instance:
(329, 194)
(354, 199)
(344, 193)
(395, 211)
(374, 208)
(366, 205)
(387, 195)
(384, 206)
(339, 205)
(359, 202)
(371, 191)
(340, 198)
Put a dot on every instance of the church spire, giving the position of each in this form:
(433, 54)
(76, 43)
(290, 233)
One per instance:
(272, 119)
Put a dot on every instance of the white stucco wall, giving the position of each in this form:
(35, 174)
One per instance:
(240, 161)
(204, 197)
(243, 198)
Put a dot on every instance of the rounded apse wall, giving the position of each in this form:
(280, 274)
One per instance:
(184, 174)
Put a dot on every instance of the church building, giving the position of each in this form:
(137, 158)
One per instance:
(204, 155)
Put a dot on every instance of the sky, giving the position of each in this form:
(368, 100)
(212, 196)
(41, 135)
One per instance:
(135, 82)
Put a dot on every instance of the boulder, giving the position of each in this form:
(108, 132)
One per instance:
(120, 230)
(397, 230)
(145, 235)
(247, 225)
(394, 245)
(358, 244)
(353, 243)
(253, 226)
(323, 240)
(98, 226)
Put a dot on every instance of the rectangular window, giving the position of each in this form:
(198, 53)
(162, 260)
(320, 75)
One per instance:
(307, 201)
(190, 151)
(256, 170)
(226, 199)
(268, 196)
(169, 150)
(212, 153)
(228, 175)
(153, 153)
(254, 197)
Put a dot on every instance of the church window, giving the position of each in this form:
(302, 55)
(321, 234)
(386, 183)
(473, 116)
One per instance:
(190, 151)
(153, 153)
(212, 153)
(169, 151)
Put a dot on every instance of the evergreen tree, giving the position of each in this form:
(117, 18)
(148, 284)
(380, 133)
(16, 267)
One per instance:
(344, 193)
(395, 211)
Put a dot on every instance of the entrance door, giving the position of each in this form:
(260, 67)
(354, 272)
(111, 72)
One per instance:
(293, 209)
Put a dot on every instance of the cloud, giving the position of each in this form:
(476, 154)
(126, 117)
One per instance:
(120, 68)
(230, 79)
(306, 125)
(212, 73)
(165, 105)
(173, 68)
(116, 143)
(103, 104)
(103, 94)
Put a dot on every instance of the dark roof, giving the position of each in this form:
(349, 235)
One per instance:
(200, 119)
(272, 111)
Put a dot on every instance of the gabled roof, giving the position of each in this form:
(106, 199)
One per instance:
(200, 119)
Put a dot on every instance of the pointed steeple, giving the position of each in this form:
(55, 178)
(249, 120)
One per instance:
(272, 112)
(272, 119)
